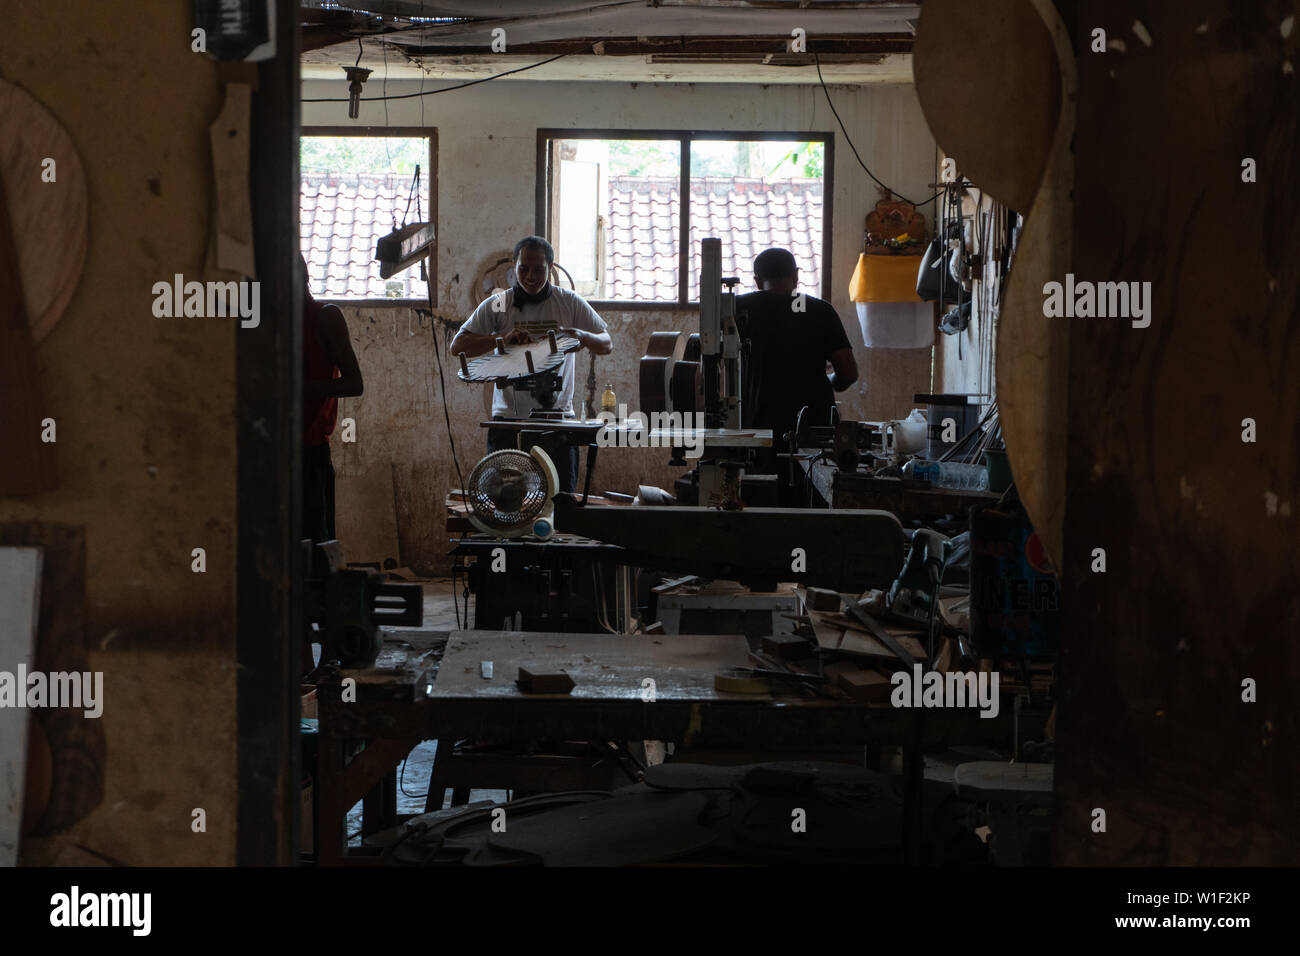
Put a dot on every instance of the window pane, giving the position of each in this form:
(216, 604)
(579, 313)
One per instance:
(614, 216)
(753, 195)
(355, 190)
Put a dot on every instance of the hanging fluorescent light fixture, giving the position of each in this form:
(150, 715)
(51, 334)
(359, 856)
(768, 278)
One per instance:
(408, 243)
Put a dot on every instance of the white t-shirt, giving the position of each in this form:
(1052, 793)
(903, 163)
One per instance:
(562, 309)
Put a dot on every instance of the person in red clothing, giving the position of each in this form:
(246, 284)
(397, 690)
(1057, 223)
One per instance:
(330, 372)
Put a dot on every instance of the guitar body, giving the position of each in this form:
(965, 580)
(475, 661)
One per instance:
(686, 391)
(692, 353)
(663, 352)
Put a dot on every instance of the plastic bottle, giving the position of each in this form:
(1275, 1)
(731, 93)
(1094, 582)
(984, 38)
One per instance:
(948, 474)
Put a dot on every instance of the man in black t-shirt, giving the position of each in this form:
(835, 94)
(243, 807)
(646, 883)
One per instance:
(792, 337)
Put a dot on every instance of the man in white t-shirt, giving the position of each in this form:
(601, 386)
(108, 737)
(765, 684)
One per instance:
(523, 314)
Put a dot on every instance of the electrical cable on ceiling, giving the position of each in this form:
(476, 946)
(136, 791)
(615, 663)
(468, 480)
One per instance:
(817, 61)
(446, 89)
(387, 144)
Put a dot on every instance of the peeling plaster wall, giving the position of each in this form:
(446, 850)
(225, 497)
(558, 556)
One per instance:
(486, 179)
(146, 432)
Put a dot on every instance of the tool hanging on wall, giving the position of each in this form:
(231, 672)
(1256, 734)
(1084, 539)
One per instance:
(936, 279)
(952, 263)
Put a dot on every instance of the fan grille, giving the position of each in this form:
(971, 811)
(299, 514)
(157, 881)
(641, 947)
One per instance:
(507, 490)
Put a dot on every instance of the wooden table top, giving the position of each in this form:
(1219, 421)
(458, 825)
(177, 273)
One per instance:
(428, 685)
(603, 666)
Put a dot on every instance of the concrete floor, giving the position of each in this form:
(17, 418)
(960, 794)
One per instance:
(413, 773)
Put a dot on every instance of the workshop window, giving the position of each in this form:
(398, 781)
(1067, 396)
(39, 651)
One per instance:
(611, 205)
(356, 186)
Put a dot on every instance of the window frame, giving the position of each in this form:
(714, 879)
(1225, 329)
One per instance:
(429, 133)
(684, 137)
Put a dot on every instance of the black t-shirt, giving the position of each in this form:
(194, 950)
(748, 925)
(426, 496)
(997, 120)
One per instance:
(787, 365)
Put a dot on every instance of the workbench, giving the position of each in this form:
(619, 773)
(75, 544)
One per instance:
(429, 685)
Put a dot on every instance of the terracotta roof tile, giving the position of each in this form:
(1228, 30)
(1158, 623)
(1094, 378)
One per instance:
(341, 217)
(749, 215)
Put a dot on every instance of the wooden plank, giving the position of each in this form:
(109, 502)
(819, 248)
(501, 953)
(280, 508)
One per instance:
(608, 667)
(20, 588)
(865, 685)
(268, 411)
(841, 633)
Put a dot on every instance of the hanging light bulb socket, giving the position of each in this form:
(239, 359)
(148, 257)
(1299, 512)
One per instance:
(356, 76)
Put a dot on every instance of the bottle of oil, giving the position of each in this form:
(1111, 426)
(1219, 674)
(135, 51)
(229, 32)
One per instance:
(608, 400)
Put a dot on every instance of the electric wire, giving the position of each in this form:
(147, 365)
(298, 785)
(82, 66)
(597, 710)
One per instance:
(599, 599)
(818, 63)
(455, 599)
(445, 89)
(451, 438)
(401, 782)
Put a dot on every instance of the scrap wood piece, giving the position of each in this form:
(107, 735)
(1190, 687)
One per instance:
(785, 646)
(531, 683)
(821, 599)
(865, 685)
(868, 646)
(841, 633)
(828, 634)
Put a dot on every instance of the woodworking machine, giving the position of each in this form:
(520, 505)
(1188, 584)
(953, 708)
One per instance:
(720, 344)
(759, 547)
(701, 376)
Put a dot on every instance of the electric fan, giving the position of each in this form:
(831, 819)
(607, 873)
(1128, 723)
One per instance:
(511, 493)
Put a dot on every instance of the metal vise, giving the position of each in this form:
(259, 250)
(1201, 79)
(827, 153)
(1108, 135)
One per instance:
(351, 604)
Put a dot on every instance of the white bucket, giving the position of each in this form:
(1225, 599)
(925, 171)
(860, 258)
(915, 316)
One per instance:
(896, 325)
